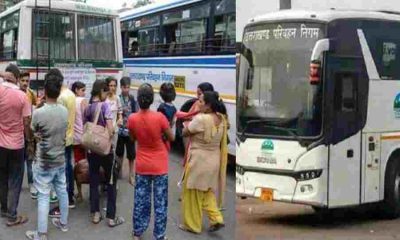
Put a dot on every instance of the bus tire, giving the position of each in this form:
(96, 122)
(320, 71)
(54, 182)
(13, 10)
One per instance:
(391, 203)
(320, 210)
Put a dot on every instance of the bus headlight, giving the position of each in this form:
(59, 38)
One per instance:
(308, 175)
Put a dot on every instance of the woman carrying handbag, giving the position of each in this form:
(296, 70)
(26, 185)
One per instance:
(98, 122)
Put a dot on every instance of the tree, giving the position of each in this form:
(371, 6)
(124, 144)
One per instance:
(4, 4)
(141, 3)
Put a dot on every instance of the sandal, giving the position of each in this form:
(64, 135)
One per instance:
(116, 221)
(216, 227)
(96, 219)
(19, 221)
(183, 228)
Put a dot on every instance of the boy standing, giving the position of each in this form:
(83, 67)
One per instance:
(124, 142)
(49, 124)
(167, 108)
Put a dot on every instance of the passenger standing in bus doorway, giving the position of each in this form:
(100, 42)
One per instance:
(168, 94)
(24, 86)
(79, 89)
(49, 124)
(206, 168)
(13, 125)
(68, 100)
(129, 106)
(151, 165)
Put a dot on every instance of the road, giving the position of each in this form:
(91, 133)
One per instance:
(257, 220)
(82, 228)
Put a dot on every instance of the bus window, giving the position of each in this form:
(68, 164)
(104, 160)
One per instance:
(9, 32)
(96, 38)
(148, 39)
(384, 45)
(191, 36)
(60, 31)
(185, 30)
(345, 92)
(224, 39)
(141, 36)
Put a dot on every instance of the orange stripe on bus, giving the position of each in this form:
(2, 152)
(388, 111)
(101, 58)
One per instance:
(390, 137)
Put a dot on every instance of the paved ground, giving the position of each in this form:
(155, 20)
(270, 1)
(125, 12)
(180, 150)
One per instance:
(258, 220)
(82, 228)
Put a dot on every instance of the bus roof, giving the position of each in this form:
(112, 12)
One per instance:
(153, 8)
(326, 15)
(62, 5)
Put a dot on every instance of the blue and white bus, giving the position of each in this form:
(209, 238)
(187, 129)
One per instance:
(185, 42)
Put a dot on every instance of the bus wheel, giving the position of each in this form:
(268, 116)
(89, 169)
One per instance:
(322, 214)
(320, 210)
(391, 203)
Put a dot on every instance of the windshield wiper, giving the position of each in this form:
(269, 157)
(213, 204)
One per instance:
(288, 130)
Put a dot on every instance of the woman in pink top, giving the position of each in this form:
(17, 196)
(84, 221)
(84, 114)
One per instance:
(81, 103)
(147, 127)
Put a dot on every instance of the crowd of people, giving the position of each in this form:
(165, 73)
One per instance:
(54, 133)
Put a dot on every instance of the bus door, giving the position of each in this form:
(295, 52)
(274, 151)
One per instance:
(344, 164)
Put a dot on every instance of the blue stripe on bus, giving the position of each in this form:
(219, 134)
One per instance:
(163, 66)
(158, 8)
(197, 61)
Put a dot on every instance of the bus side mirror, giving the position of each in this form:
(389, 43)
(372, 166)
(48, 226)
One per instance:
(320, 47)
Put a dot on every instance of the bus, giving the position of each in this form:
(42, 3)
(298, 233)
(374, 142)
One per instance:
(185, 42)
(83, 41)
(318, 120)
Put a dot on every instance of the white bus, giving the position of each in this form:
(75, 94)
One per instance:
(325, 136)
(186, 43)
(82, 40)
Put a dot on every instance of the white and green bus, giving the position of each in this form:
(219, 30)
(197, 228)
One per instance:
(82, 40)
(318, 110)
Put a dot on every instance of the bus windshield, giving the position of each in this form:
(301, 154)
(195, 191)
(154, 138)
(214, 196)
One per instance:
(275, 97)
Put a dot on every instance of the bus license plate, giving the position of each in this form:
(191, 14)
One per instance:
(267, 194)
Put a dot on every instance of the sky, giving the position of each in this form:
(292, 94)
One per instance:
(113, 4)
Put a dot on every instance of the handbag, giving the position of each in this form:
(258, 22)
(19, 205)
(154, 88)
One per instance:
(96, 138)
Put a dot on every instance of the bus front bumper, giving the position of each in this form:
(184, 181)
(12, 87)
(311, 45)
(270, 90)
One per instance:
(285, 188)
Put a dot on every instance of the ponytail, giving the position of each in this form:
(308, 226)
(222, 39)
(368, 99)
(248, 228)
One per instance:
(216, 103)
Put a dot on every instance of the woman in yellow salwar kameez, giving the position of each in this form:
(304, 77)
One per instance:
(206, 167)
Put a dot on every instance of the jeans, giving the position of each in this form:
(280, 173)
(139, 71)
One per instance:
(44, 179)
(11, 177)
(144, 186)
(106, 162)
(28, 162)
(69, 172)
